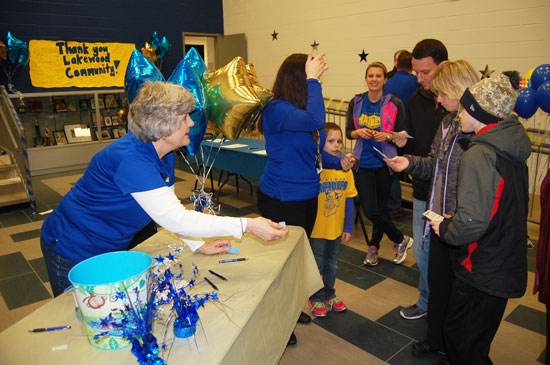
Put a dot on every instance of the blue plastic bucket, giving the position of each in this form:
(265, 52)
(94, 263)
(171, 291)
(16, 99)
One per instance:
(97, 280)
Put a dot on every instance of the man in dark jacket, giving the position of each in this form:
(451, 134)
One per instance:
(490, 223)
(423, 116)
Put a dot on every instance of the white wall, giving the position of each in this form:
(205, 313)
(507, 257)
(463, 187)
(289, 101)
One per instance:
(505, 34)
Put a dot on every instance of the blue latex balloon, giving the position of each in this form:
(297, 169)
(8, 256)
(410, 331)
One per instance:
(543, 96)
(18, 51)
(139, 70)
(540, 75)
(189, 73)
(526, 105)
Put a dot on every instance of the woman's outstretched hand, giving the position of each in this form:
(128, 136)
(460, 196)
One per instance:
(398, 163)
(315, 67)
(265, 229)
(214, 247)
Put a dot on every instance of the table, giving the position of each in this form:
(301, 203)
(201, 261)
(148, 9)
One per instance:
(263, 297)
(244, 157)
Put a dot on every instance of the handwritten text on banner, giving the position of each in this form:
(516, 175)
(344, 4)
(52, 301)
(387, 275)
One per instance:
(80, 64)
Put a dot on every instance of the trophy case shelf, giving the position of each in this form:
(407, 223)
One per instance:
(63, 130)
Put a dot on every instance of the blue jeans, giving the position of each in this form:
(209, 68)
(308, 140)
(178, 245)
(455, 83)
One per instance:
(421, 251)
(58, 268)
(326, 255)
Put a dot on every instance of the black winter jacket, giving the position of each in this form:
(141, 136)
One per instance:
(490, 224)
(422, 119)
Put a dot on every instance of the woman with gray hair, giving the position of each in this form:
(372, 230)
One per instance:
(131, 182)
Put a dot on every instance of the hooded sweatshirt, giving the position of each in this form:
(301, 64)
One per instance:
(490, 224)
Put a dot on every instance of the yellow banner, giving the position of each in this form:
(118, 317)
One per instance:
(80, 64)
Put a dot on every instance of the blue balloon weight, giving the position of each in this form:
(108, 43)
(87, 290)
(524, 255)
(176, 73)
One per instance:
(526, 105)
(18, 51)
(139, 70)
(543, 96)
(189, 73)
(540, 75)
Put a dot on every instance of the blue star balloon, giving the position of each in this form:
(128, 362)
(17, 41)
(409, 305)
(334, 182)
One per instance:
(189, 73)
(18, 51)
(139, 70)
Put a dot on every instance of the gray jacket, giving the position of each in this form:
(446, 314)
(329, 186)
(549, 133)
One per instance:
(445, 154)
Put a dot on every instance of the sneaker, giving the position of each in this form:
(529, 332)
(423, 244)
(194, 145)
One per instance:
(335, 304)
(413, 312)
(318, 309)
(372, 257)
(400, 250)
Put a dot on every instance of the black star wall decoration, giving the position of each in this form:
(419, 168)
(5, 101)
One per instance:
(274, 35)
(314, 45)
(363, 56)
(486, 73)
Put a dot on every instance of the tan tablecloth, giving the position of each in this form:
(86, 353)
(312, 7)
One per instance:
(262, 300)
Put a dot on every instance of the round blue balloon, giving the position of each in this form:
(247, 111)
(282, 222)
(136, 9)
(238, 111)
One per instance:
(139, 70)
(540, 75)
(189, 73)
(543, 96)
(526, 105)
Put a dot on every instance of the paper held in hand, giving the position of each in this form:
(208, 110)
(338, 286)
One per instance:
(380, 152)
(402, 133)
(432, 216)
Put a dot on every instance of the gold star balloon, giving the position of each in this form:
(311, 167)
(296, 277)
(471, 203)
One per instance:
(264, 95)
(149, 52)
(3, 53)
(231, 98)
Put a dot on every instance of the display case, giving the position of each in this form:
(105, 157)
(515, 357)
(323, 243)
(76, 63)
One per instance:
(64, 130)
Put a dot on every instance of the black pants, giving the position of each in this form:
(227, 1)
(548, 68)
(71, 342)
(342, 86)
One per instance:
(295, 213)
(441, 264)
(373, 186)
(472, 321)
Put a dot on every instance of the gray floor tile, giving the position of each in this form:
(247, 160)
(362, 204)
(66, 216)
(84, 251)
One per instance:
(39, 267)
(13, 264)
(23, 236)
(368, 335)
(23, 290)
(11, 218)
(528, 318)
(357, 276)
(415, 329)
(406, 357)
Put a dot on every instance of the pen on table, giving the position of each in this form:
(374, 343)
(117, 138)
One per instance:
(232, 260)
(216, 274)
(211, 284)
(48, 329)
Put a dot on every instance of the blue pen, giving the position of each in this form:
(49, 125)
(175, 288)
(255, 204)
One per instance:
(48, 329)
(232, 260)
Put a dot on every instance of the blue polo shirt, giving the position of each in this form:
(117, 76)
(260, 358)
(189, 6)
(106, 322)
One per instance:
(98, 214)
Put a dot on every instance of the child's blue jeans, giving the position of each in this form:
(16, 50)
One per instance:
(326, 255)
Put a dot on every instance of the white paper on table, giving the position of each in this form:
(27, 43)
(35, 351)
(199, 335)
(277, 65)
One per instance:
(260, 152)
(236, 145)
(217, 140)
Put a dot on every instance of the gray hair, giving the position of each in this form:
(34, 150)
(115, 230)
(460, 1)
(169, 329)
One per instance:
(155, 111)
